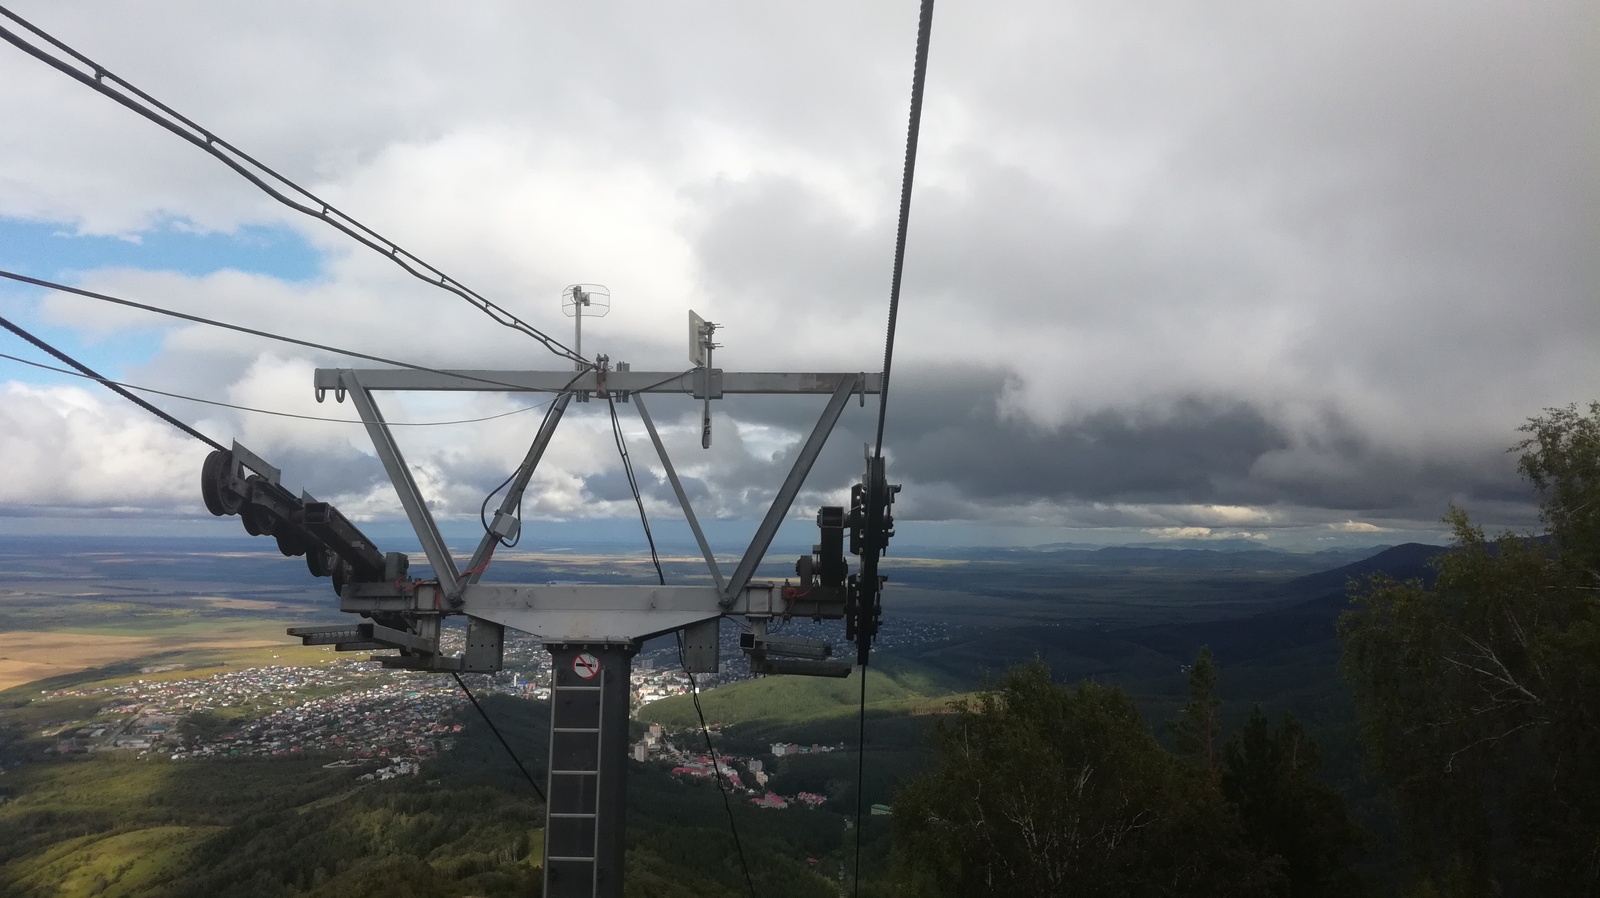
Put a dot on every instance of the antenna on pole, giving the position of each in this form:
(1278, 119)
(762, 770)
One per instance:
(700, 346)
(579, 300)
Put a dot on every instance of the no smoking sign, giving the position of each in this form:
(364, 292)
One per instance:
(586, 665)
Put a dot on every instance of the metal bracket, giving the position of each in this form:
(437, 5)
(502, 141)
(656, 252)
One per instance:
(256, 463)
(485, 645)
(363, 636)
(701, 646)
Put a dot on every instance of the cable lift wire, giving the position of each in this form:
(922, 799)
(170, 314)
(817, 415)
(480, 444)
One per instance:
(874, 509)
(633, 484)
(102, 297)
(269, 181)
(111, 385)
(496, 730)
(716, 768)
(267, 411)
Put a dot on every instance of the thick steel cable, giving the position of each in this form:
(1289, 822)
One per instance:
(170, 313)
(869, 567)
(919, 76)
(110, 385)
(269, 181)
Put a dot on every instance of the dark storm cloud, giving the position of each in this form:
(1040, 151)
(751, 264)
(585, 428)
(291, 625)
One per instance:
(1186, 454)
(947, 434)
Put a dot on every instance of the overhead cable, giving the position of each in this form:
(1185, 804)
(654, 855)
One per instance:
(269, 335)
(110, 385)
(496, 730)
(875, 511)
(271, 182)
(716, 766)
(633, 484)
(267, 411)
(918, 77)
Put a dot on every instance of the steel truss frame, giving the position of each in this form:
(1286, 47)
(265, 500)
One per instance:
(607, 613)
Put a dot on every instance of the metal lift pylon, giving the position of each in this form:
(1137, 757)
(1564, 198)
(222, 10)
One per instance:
(591, 631)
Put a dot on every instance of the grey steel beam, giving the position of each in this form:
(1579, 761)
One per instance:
(759, 599)
(683, 497)
(485, 598)
(591, 625)
(519, 482)
(606, 613)
(681, 382)
(444, 567)
(791, 488)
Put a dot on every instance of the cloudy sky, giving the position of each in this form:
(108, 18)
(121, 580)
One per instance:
(1292, 272)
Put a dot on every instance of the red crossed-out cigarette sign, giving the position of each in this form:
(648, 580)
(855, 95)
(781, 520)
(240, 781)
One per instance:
(586, 665)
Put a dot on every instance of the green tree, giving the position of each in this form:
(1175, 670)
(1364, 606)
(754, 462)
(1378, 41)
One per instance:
(1269, 775)
(1197, 728)
(1041, 789)
(1477, 696)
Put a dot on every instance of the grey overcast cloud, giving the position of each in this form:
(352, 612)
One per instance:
(1290, 272)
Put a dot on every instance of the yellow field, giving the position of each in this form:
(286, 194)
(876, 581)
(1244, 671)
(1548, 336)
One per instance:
(31, 655)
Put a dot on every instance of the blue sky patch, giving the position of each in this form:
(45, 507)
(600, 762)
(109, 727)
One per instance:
(51, 251)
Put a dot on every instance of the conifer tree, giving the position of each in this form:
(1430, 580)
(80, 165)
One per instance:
(1197, 729)
(1269, 775)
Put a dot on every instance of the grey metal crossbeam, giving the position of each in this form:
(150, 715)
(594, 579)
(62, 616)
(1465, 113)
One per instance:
(682, 382)
(597, 613)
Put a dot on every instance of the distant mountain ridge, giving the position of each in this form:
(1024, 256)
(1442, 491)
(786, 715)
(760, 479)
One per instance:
(1323, 597)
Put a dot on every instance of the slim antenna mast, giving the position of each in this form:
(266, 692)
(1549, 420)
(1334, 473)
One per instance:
(579, 300)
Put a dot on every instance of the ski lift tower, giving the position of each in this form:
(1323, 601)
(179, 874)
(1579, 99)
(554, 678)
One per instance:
(591, 631)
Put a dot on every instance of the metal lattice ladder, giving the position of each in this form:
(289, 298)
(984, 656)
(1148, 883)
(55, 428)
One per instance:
(587, 791)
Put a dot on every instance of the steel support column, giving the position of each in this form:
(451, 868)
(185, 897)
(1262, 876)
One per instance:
(587, 784)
